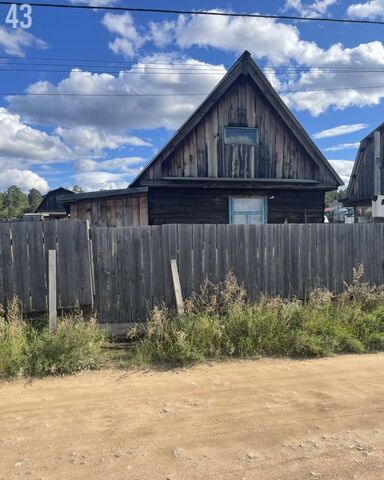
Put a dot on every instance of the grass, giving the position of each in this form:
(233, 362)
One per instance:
(28, 349)
(219, 323)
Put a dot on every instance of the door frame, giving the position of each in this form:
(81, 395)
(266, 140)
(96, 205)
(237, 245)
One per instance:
(265, 209)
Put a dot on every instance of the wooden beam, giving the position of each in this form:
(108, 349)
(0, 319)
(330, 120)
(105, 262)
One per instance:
(246, 186)
(244, 180)
(177, 287)
(376, 163)
(52, 296)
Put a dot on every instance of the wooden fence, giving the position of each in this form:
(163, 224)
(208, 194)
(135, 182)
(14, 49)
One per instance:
(24, 263)
(132, 264)
(124, 272)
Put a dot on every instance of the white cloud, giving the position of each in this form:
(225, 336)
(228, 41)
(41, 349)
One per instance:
(343, 168)
(281, 44)
(128, 165)
(161, 36)
(20, 142)
(91, 141)
(340, 130)
(96, 180)
(371, 9)
(342, 146)
(24, 179)
(319, 7)
(116, 114)
(14, 42)
(128, 40)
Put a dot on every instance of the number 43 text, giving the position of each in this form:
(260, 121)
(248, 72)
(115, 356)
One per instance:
(20, 16)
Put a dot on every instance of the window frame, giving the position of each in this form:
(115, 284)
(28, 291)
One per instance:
(243, 129)
(248, 213)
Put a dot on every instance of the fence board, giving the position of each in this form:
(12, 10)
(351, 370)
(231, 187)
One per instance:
(38, 287)
(157, 265)
(6, 263)
(222, 252)
(185, 259)
(21, 267)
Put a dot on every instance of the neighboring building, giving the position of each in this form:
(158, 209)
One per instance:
(336, 213)
(365, 190)
(50, 206)
(242, 157)
(109, 208)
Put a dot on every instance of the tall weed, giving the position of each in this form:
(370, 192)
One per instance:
(219, 323)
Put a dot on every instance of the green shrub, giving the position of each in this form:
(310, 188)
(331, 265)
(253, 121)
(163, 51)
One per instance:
(76, 345)
(33, 351)
(219, 324)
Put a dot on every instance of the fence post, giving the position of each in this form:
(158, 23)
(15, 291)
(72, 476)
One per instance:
(52, 296)
(177, 287)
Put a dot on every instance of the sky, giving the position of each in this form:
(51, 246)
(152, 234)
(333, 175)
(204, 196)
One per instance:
(99, 140)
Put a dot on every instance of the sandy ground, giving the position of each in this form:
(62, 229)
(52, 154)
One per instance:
(262, 419)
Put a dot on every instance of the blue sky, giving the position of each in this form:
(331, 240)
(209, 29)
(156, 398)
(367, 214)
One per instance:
(103, 142)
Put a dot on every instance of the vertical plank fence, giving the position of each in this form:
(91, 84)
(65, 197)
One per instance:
(24, 250)
(126, 271)
(133, 273)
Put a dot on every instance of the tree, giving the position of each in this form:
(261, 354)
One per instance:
(14, 203)
(34, 198)
(335, 195)
(77, 189)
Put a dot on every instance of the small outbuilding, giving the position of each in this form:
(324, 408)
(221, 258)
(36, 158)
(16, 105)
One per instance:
(50, 206)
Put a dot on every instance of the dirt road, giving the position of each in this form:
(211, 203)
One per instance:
(263, 419)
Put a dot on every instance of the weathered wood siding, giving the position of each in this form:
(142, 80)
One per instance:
(203, 153)
(360, 188)
(188, 205)
(121, 211)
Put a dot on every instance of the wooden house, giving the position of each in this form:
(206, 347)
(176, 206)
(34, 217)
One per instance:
(365, 191)
(241, 157)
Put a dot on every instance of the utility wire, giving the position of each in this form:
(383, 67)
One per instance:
(113, 61)
(122, 65)
(99, 69)
(192, 12)
(183, 94)
(74, 71)
(175, 68)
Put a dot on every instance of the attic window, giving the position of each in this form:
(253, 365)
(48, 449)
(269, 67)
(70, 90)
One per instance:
(241, 136)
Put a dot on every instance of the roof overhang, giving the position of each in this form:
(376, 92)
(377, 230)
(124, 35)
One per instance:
(102, 195)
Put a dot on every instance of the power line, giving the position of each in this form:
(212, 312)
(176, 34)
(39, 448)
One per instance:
(169, 72)
(192, 12)
(169, 66)
(95, 60)
(183, 94)
(148, 70)
(176, 67)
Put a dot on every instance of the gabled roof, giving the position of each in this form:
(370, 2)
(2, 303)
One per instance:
(356, 167)
(247, 67)
(53, 193)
